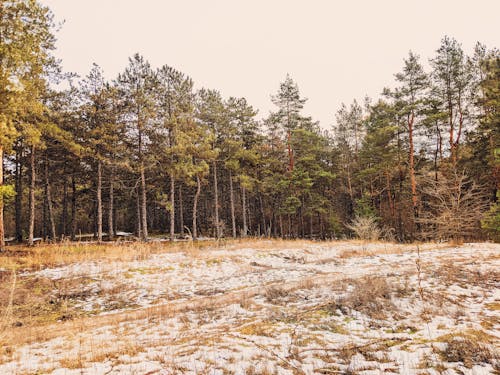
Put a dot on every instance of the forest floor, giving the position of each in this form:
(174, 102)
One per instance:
(251, 307)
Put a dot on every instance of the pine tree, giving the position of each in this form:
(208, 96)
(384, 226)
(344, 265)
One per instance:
(137, 87)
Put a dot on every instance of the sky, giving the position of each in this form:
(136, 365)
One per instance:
(336, 50)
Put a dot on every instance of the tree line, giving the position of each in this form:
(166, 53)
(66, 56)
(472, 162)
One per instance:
(146, 153)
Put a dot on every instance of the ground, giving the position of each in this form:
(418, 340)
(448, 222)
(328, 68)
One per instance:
(251, 307)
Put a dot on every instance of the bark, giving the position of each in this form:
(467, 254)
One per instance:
(138, 220)
(181, 212)
(244, 209)
(450, 122)
(73, 207)
(281, 226)
(64, 216)
(216, 198)
(19, 195)
(99, 201)
(111, 226)
(172, 208)
(460, 127)
(195, 206)
(291, 160)
(2, 235)
(31, 230)
(231, 199)
(48, 197)
(261, 204)
(413, 182)
(144, 212)
(389, 194)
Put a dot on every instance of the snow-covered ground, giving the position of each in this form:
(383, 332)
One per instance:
(322, 308)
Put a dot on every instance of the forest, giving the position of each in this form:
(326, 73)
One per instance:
(147, 154)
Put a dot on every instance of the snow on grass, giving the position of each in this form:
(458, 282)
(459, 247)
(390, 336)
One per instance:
(325, 308)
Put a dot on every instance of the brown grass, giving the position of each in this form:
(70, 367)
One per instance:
(390, 248)
(51, 255)
(470, 350)
(451, 273)
(371, 295)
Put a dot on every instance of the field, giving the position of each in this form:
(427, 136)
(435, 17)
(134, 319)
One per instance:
(250, 307)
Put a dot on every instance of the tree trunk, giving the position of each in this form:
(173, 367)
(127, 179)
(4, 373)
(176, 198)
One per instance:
(48, 197)
(389, 194)
(413, 182)
(111, 226)
(291, 161)
(139, 218)
(19, 195)
(244, 209)
(195, 206)
(144, 212)
(64, 215)
(73, 207)
(31, 231)
(216, 197)
(99, 201)
(2, 235)
(181, 212)
(231, 199)
(172, 208)
(264, 223)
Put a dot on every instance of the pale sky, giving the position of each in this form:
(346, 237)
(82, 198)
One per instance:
(335, 50)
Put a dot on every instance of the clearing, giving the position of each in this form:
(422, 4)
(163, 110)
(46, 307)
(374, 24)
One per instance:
(251, 307)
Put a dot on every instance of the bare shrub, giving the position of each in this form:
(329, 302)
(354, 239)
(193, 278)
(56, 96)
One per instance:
(365, 228)
(371, 296)
(469, 351)
(275, 293)
(452, 208)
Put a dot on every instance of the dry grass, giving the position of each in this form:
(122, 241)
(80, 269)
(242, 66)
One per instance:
(470, 349)
(51, 255)
(274, 294)
(462, 275)
(387, 248)
(371, 295)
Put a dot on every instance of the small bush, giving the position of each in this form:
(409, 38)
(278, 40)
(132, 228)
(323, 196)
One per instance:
(365, 228)
(274, 293)
(371, 296)
(468, 351)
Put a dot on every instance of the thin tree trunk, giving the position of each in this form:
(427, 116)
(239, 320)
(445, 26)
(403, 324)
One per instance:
(144, 212)
(216, 197)
(181, 212)
(231, 198)
(261, 204)
(48, 197)
(138, 207)
(64, 215)
(2, 234)
(31, 231)
(450, 121)
(111, 226)
(311, 229)
(291, 160)
(172, 208)
(413, 182)
(73, 207)
(244, 209)
(19, 195)
(195, 207)
(45, 227)
(99, 201)
(437, 152)
(389, 194)
(281, 226)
